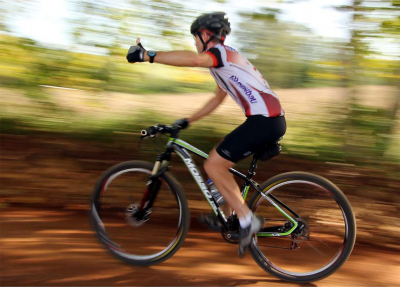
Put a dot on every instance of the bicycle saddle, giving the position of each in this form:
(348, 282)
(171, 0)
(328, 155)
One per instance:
(268, 151)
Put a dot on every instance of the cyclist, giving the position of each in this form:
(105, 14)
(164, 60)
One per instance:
(235, 76)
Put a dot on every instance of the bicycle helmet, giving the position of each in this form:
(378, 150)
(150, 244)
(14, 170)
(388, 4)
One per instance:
(215, 22)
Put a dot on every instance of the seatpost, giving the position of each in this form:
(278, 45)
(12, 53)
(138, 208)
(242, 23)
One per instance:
(252, 168)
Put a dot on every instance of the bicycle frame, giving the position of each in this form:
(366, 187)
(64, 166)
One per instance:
(181, 148)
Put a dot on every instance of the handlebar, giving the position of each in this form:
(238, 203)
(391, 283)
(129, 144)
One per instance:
(160, 129)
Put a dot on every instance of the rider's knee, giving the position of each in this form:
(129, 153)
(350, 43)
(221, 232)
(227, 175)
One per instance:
(211, 164)
(208, 166)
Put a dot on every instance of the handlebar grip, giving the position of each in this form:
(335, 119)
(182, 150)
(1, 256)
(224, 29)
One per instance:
(150, 132)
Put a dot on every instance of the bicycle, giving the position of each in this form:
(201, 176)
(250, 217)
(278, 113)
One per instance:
(141, 215)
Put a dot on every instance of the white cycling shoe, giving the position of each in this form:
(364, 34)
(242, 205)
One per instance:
(246, 234)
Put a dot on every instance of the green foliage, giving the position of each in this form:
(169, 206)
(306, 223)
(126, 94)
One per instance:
(9, 126)
(372, 22)
(305, 138)
(368, 132)
(287, 54)
(26, 64)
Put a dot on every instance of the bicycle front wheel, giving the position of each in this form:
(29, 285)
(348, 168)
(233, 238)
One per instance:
(116, 200)
(325, 232)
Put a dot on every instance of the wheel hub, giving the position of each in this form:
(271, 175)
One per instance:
(134, 216)
(302, 232)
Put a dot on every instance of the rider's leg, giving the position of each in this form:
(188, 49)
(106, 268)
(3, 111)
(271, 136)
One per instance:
(227, 209)
(218, 170)
(246, 139)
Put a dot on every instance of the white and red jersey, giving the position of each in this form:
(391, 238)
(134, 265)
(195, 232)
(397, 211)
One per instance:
(243, 82)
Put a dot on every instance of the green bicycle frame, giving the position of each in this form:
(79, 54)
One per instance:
(181, 148)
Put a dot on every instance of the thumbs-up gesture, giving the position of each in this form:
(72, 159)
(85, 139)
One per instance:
(136, 53)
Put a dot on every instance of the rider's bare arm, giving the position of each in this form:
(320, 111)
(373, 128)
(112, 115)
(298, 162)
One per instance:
(210, 106)
(182, 59)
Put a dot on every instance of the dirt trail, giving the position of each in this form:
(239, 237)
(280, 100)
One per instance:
(50, 247)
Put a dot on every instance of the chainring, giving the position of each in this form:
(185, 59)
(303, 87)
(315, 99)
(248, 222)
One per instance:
(231, 237)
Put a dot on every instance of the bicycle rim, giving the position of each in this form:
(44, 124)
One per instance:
(324, 240)
(137, 241)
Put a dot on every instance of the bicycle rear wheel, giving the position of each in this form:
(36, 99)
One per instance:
(116, 199)
(324, 238)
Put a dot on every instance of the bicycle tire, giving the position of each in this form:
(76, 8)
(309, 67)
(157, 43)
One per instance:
(98, 225)
(349, 221)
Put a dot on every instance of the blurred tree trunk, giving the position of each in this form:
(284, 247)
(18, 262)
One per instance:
(391, 28)
(368, 25)
(350, 79)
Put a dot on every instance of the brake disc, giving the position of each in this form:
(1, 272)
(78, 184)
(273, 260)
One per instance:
(131, 218)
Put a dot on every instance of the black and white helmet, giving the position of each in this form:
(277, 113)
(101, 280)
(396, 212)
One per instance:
(214, 22)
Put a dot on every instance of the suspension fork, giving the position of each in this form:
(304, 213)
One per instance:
(154, 183)
(150, 194)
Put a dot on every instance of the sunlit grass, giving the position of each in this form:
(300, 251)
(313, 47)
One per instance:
(314, 131)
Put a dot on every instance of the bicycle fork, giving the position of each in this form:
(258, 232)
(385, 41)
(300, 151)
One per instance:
(152, 188)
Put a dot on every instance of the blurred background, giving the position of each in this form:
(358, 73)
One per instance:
(71, 106)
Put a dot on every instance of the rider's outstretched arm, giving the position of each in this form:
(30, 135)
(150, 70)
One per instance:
(182, 59)
(210, 106)
(172, 58)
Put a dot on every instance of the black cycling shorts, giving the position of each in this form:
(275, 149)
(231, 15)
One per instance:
(256, 132)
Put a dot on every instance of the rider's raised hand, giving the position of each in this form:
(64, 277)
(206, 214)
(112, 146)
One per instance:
(136, 53)
(181, 124)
